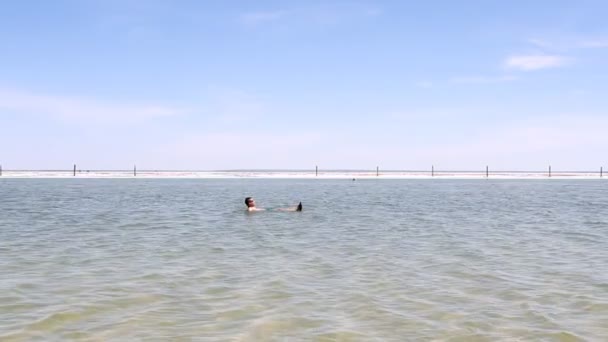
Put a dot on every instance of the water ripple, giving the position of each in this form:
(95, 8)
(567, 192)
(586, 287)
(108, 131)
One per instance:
(99, 260)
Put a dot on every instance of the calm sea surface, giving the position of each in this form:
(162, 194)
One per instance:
(370, 260)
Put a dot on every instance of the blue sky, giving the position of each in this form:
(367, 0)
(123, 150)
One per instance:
(293, 84)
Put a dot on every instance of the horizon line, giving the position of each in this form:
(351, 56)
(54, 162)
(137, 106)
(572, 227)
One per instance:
(312, 170)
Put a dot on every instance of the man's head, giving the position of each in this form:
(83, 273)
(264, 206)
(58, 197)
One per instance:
(249, 202)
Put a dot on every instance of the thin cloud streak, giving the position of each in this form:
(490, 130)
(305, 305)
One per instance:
(568, 43)
(234, 150)
(316, 15)
(570, 141)
(536, 62)
(74, 109)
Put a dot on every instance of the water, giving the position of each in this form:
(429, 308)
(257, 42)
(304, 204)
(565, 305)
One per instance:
(372, 260)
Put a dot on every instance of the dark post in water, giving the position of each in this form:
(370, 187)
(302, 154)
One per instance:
(487, 172)
(134, 170)
(601, 171)
(74, 170)
(432, 170)
(0, 170)
(377, 171)
(316, 170)
(549, 171)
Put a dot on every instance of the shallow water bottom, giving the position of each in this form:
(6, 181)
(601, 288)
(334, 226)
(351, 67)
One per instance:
(114, 260)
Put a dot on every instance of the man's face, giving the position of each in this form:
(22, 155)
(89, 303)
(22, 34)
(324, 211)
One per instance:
(251, 202)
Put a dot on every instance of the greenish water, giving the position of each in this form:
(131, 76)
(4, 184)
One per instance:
(372, 260)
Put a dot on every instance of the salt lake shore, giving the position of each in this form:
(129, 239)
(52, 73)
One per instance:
(347, 175)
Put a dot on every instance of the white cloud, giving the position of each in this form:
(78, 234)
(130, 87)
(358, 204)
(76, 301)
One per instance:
(536, 62)
(76, 109)
(566, 141)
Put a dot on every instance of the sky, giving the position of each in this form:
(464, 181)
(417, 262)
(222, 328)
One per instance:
(216, 85)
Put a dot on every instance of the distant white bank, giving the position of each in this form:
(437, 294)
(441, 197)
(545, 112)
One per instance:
(351, 175)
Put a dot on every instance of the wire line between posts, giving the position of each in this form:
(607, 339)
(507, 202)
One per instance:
(547, 173)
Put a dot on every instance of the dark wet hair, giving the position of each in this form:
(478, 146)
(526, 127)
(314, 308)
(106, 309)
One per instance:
(247, 199)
